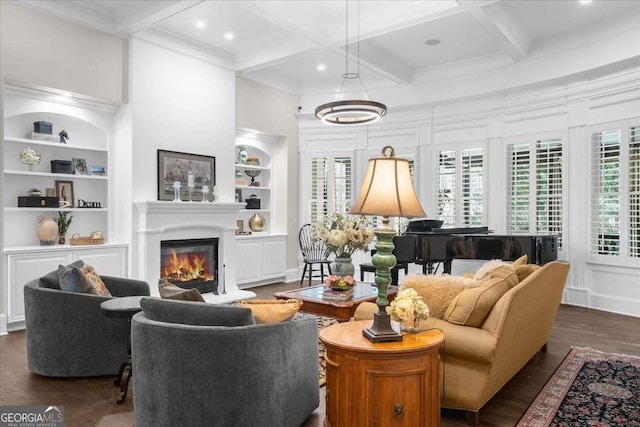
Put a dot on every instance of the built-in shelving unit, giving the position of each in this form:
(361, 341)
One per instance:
(90, 129)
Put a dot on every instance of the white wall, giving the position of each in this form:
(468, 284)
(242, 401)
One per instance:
(569, 111)
(273, 112)
(179, 103)
(40, 49)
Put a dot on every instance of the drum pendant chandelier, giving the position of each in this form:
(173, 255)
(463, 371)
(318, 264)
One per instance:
(351, 112)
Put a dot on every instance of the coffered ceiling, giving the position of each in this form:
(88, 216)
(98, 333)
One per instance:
(299, 46)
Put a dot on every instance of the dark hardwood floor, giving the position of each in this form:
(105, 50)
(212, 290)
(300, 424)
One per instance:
(91, 401)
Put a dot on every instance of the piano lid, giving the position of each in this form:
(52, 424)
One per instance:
(423, 224)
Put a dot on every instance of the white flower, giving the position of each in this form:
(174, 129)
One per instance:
(337, 238)
(408, 306)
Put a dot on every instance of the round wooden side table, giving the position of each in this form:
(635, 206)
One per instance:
(387, 384)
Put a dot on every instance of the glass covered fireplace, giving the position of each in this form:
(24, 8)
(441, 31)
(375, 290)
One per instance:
(190, 263)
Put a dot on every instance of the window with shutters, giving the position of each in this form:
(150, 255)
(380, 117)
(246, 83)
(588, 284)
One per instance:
(461, 187)
(535, 187)
(330, 186)
(615, 209)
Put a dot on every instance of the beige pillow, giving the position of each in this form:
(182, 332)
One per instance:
(472, 306)
(523, 271)
(170, 291)
(272, 311)
(520, 261)
(438, 291)
(505, 272)
(485, 270)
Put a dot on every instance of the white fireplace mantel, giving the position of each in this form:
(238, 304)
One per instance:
(160, 220)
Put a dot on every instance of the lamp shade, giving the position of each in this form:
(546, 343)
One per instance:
(387, 189)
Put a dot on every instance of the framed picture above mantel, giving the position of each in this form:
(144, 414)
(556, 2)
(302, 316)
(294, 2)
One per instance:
(191, 170)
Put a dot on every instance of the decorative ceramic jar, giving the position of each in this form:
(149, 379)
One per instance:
(342, 266)
(47, 230)
(257, 222)
(242, 155)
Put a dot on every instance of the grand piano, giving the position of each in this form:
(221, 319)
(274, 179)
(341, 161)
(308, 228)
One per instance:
(436, 245)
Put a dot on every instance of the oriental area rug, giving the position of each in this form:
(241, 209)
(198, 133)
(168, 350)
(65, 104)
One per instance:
(589, 388)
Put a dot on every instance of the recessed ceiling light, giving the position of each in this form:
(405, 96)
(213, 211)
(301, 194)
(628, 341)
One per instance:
(229, 36)
(432, 42)
(67, 94)
(321, 67)
(201, 24)
(585, 1)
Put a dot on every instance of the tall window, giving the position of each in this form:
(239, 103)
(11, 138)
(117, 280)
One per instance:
(615, 212)
(461, 187)
(330, 186)
(534, 187)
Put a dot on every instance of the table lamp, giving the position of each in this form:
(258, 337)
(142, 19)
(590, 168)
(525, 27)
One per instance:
(387, 191)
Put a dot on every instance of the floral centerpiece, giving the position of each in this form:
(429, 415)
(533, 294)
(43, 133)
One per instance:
(408, 309)
(338, 283)
(344, 234)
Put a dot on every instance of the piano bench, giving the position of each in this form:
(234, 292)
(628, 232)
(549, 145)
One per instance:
(370, 268)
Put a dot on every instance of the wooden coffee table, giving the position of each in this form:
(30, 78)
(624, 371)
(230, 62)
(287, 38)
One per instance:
(312, 301)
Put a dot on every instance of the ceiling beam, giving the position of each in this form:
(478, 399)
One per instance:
(503, 29)
(130, 25)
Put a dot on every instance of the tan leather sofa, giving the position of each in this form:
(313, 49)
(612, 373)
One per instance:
(479, 361)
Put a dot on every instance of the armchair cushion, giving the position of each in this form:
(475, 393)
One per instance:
(472, 306)
(195, 313)
(96, 280)
(50, 280)
(438, 291)
(523, 271)
(74, 280)
(170, 291)
(272, 311)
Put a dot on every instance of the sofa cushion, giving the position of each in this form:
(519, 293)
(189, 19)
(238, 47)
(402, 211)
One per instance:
(170, 291)
(505, 272)
(96, 280)
(74, 280)
(50, 280)
(520, 261)
(523, 271)
(272, 311)
(438, 291)
(472, 306)
(487, 268)
(195, 313)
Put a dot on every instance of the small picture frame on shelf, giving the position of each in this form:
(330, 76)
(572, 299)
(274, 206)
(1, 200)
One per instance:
(98, 170)
(80, 166)
(64, 193)
(238, 195)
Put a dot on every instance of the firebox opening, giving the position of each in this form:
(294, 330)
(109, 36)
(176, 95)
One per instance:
(190, 263)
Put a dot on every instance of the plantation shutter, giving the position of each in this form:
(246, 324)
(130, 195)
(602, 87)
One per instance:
(447, 187)
(605, 210)
(549, 187)
(341, 184)
(472, 187)
(518, 188)
(319, 189)
(634, 192)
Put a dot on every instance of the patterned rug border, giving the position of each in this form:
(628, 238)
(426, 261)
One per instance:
(542, 410)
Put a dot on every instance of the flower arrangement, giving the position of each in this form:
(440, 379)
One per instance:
(340, 283)
(344, 234)
(408, 307)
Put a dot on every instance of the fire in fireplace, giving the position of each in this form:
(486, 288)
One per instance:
(190, 263)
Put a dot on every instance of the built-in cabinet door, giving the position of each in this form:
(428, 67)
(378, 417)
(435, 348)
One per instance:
(107, 262)
(23, 268)
(248, 267)
(273, 257)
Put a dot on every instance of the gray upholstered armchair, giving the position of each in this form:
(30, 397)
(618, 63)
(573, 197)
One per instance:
(67, 333)
(188, 372)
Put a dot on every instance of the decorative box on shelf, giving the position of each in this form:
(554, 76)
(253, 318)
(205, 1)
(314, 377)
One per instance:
(61, 166)
(37, 202)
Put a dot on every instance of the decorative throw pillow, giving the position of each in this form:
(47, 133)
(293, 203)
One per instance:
(472, 306)
(438, 291)
(50, 280)
(195, 313)
(523, 271)
(487, 268)
(170, 291)
(520, 261)
(91, 273)
(272, 311)
(505, 272)
(74, 280)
